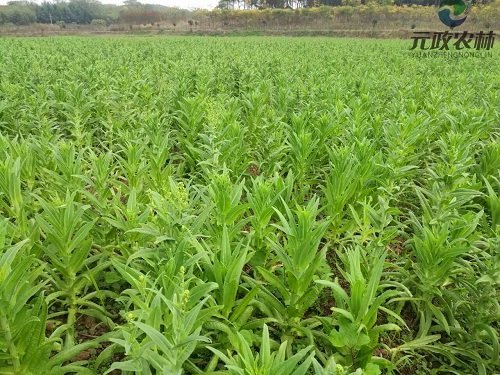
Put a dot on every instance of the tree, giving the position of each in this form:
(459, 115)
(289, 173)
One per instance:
(19, 14)
(132, 3)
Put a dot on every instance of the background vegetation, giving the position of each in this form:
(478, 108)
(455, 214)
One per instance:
(233, 15)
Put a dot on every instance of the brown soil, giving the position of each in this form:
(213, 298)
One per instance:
(253, 170)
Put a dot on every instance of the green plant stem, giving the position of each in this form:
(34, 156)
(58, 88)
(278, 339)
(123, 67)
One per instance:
(72, 309)
(4, 324)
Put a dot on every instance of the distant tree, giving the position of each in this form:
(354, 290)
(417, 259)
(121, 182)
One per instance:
(253, 4)
(84, 11)
(225, 4)
(20, 3)
(132, 3)
(98, 22)
(273, 3)
(49, 13)
(74, 11)
(331, 2)
(19, 15)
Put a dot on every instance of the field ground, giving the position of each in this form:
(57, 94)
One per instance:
(317, 205)
(337, 31)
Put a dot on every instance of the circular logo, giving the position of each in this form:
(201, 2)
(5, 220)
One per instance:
(453, 13)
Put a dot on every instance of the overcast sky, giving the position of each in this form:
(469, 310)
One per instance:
(188, 4)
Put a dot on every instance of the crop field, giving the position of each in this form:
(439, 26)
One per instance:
(258, 206)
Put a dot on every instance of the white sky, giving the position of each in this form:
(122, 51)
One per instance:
(188, 4)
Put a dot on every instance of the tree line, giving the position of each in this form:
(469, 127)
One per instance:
(86, 12)
(133, 12)
(296, 4)
(74, 11)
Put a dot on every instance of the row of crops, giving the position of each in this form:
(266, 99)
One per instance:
(247, 206)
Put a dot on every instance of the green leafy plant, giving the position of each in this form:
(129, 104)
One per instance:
(66, 244)
(180, 202)
(164, 321)
(298, 264)
(354, 331)
(247, 362)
